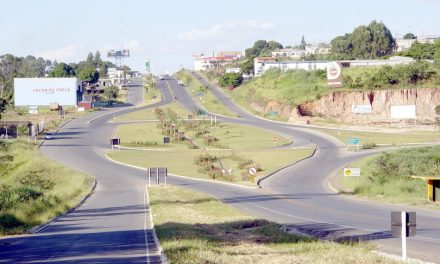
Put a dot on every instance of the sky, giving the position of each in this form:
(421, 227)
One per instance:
(169, 32)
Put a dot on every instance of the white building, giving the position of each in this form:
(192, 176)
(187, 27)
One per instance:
(261, 65)
(405, 44)
(224, 58)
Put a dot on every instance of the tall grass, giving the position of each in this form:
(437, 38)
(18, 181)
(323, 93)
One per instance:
(388, 175)
(34, 189)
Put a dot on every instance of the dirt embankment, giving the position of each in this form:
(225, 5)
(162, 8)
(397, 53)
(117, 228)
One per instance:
(338, 106)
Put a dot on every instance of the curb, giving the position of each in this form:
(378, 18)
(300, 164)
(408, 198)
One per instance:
(163, 257)
(37, 229)
(260, 181)
(181, 176)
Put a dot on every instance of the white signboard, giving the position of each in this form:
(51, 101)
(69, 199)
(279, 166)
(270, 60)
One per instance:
(361, 109)
(43, 91)
(33, 110)
(355, 172)
(403, 111)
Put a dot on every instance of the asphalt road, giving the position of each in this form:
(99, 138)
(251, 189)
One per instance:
(113, 224)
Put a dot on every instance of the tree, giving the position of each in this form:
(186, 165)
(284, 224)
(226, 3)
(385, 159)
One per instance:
(62, 70)
(231, 79)
(273, 45)
(437, 52)
(248, 66)
(303, 43)
(88, 74)
(409, 35)
(90, 59)
(437, 118)
(365, 42)
(97, 61)
(111, 92)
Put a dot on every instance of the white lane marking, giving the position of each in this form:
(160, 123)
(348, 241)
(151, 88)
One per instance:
(320, 222)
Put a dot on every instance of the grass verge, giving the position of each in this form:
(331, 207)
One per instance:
(384, 138)
(195, 228)
(387, 176)
(34, 189)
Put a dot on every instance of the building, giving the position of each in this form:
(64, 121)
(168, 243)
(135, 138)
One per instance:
(405, 44)
(297, 53)
(232, 70)
(204, 63)
(263, 64)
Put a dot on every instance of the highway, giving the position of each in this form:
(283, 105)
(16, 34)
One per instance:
(113, 224)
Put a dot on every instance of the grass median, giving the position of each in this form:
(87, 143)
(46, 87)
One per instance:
(195, 228)
(148, 114)
(182, 162)
(34, 189)
(227, 136)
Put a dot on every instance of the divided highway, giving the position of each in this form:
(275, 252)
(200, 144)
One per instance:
(114, 225)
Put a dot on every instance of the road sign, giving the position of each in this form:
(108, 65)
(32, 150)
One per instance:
(355, 172)
(353, 141)
(361, 109)
(115, 141)
(166, 140)
(252, 171)
(157, 174)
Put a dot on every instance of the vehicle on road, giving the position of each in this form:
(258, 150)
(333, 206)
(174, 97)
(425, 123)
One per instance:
(48, 135)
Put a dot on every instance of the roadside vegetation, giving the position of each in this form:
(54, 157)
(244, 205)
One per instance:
(380, 138)
(195, 228)
(202, 94)
(387, 176)
(204, 149)
(34, 189)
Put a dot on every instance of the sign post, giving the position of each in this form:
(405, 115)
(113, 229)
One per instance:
(403, 225)
(274, 139)
(252, 171)
(115, 142)
(354, 142)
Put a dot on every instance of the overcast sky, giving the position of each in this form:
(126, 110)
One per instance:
(170, 31)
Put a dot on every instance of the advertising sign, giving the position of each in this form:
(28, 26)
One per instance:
(403, 111)
(352, 172)
(334, 74)
(43, 91)
(361, 109)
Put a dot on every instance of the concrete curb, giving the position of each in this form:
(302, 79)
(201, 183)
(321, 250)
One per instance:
(163, 257)
(260, 181)
(181, 176)
(37, 229)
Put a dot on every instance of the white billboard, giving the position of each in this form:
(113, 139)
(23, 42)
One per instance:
(403, 111)
(43, 91)
(361, 109)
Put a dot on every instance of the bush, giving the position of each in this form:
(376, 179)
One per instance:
(369, 145)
